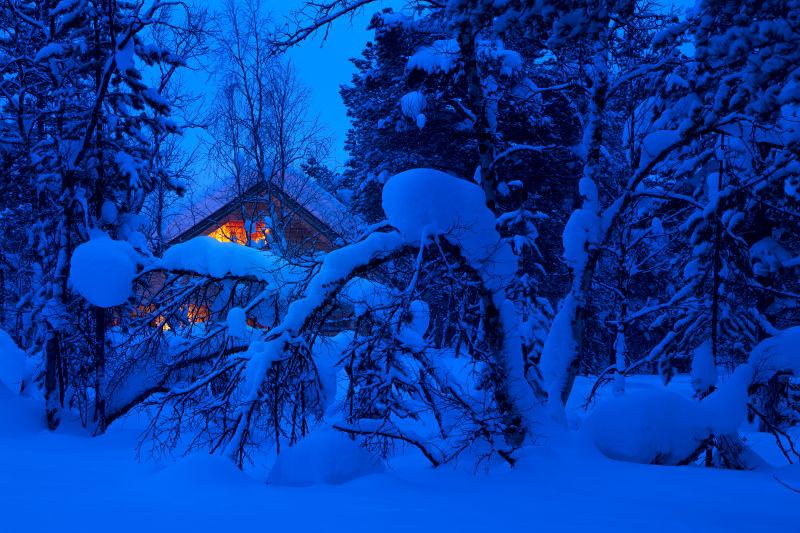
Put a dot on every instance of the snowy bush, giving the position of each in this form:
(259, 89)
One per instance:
(653, 426)
(779, 353)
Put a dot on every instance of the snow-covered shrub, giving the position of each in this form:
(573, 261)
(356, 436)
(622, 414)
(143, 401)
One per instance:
(662, 427)
(654, 426)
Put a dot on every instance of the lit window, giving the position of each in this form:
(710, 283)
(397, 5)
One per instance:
(234, 231)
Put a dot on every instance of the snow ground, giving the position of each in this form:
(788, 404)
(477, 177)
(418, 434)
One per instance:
(67, 481)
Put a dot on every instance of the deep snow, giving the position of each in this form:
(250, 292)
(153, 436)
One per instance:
(67, 481)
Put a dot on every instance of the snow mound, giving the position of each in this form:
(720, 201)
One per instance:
(12, 362)
(652, 426)
(18, 415)
(209, 257)
(662, 427)
(430, 202)
(725, 409)
(237, 323)
(102, 270)
(327, 457)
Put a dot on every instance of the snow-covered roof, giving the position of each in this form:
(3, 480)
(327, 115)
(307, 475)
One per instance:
(321, 204)
(310, 199)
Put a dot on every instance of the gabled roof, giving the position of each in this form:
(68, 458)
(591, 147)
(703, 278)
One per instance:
(300, 194)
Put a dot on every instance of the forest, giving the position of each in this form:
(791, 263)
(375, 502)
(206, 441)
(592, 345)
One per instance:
(549, 279)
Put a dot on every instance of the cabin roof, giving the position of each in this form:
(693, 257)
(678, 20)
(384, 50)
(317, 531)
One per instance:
(301, 194)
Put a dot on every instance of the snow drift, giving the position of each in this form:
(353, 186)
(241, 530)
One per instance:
(325, 457)
(653, 426)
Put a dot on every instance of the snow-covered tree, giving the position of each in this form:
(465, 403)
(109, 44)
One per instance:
(86, 118)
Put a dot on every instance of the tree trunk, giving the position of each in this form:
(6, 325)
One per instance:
(564, 357)
(52, 393)
(100, 370)
(479, 107)
(716, 267)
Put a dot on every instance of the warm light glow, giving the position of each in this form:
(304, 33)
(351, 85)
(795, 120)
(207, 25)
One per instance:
(234, 231)
(161, 321)
(198, 313)
(142, 310)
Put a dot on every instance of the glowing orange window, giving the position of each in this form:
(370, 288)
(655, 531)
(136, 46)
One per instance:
(234, 231)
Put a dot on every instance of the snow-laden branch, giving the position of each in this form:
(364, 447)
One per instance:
(336, 269)
(420, 205)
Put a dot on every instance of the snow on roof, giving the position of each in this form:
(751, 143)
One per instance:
(302, 190)
(321, 204)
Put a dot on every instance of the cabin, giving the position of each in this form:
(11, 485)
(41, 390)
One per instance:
(290, 217)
